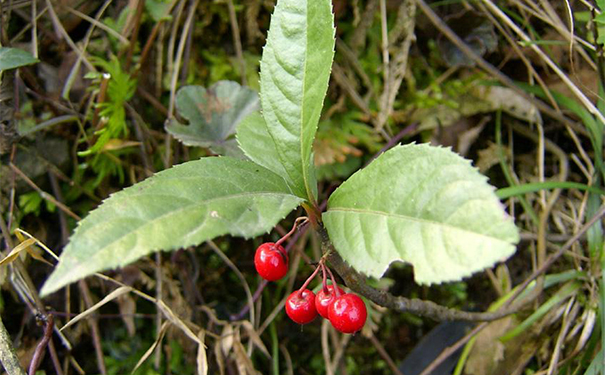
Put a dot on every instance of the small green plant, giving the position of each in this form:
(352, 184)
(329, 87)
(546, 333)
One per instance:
(120, 89)
(417, 204)
(106, 138)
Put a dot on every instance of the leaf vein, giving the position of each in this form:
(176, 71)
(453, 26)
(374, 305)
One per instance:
(410, 218)
(179, 211)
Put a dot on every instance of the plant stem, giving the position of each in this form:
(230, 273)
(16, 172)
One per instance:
(49, 323)
(8, 357)
(302, 219)
(324, 283)
(302, 288)
(314, 214)
(335, 287)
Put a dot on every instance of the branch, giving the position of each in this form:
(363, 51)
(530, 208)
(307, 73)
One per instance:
(357, 282)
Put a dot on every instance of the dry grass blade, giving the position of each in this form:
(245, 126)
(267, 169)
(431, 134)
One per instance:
(224, 346)
(341, 347)
(244, 363)
(589, 325)
(42, 193)
(76, 66)
(237, 41)
(227, 338)
(383, 353)
(569, 316)
(61, 31)
(574, 89)
(169, 314)
(492, 70)
(30, 291)
(396, 69)
(34, 254)
(255, 337)
(343, 81)
(202, 359)
(110, 297)
(16, 250)
(451, 349)
(151, 349)
(325, 347)
(220, 359)
(34, 24)
(240, 276)
(179, 57)
(99, 25)
(20, 232)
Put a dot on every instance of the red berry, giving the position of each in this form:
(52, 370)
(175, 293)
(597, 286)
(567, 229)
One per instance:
(271, 261)
(324, 300)
(348, 313)
(300, 306)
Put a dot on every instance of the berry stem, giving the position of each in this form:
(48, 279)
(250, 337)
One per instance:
(335, 287)
(287, 235)
(324, 282)
(309, 279)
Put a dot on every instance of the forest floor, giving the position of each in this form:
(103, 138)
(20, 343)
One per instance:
(514, 85)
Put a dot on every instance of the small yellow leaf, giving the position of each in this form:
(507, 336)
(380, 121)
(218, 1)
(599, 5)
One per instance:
(16, 250)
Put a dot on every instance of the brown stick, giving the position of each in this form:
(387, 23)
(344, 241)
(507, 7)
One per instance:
(384, 354)
(42, 193)
(94, 327)
(41, 348)
(135, 33)
(237, 42)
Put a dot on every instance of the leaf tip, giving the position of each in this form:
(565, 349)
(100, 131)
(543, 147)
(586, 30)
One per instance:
(55, 281)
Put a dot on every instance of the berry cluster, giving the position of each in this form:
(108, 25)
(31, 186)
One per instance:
(346, 311)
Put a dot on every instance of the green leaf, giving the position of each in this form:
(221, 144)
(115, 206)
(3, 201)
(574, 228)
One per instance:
(158, 9)
(423, 205)
(596, 366)
(295, 69)
(213, 114)
(256, 143)
(533, 187)
(11, 58)
(176, 208)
